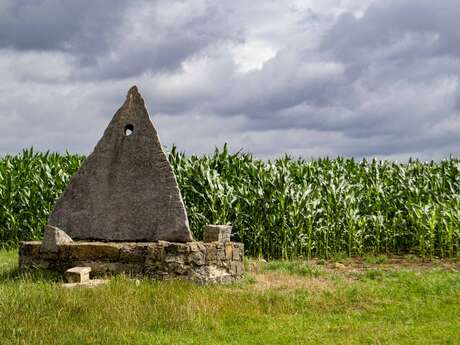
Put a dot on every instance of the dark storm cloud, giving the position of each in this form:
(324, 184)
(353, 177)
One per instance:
(113, 39)
(82, 27)
(151, 41)
(432, 26)
(399, 80)
(404, 57)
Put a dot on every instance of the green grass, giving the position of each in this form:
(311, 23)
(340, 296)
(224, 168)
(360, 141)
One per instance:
(377, 306)
(380, 259)
(294, 267)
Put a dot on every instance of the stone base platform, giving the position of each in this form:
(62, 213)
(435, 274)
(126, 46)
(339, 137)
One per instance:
(213, 262)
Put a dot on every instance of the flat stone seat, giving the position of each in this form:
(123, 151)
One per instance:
(77, 275)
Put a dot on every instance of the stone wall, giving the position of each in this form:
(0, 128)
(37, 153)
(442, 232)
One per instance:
(196, 261)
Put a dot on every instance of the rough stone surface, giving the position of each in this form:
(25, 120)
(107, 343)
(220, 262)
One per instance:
(52, 237)
(77, 275)
(89, 284)
(219, 233)
(213, 262)
(126, 189)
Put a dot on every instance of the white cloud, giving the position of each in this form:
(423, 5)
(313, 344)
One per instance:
(252, 54)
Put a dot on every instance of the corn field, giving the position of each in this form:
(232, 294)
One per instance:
(286, 208)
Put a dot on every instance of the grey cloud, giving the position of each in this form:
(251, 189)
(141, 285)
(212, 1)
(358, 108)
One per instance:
(383, 84)
(289, 79)
(385, 21)
(395, 30)
(115, 39)
(164, 43)
(76, 26)
(399, 81)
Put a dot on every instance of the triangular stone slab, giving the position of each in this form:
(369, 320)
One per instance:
(126, 189)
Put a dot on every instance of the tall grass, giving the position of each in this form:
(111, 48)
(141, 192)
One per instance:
(280, 209)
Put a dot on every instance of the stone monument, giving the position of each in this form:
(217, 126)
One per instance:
(123, 212)
(126, 190)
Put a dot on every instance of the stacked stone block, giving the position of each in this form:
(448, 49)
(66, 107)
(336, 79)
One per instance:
(201, 262)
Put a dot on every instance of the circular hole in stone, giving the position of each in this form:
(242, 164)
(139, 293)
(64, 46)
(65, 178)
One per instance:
(129, 130)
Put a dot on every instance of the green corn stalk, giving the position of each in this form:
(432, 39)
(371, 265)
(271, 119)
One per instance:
(283, 208)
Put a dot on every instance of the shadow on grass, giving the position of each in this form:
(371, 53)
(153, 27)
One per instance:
(11, 272)
(33, 275)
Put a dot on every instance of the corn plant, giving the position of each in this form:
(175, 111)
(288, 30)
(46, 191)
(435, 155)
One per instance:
(283, 208)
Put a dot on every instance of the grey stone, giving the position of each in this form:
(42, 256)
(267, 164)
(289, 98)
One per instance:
(220, 253)
(52, 238)
(133, 253)
(228, 251)
(126, 189)
(77, 275)
(237, 253)
(201, 262)
(219, 233)
(94, 250)
(197, 258)
(89, 284)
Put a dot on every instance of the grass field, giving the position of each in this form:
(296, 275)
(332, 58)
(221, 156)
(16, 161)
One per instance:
(374, 300)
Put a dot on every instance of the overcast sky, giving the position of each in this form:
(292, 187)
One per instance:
(310, 78)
